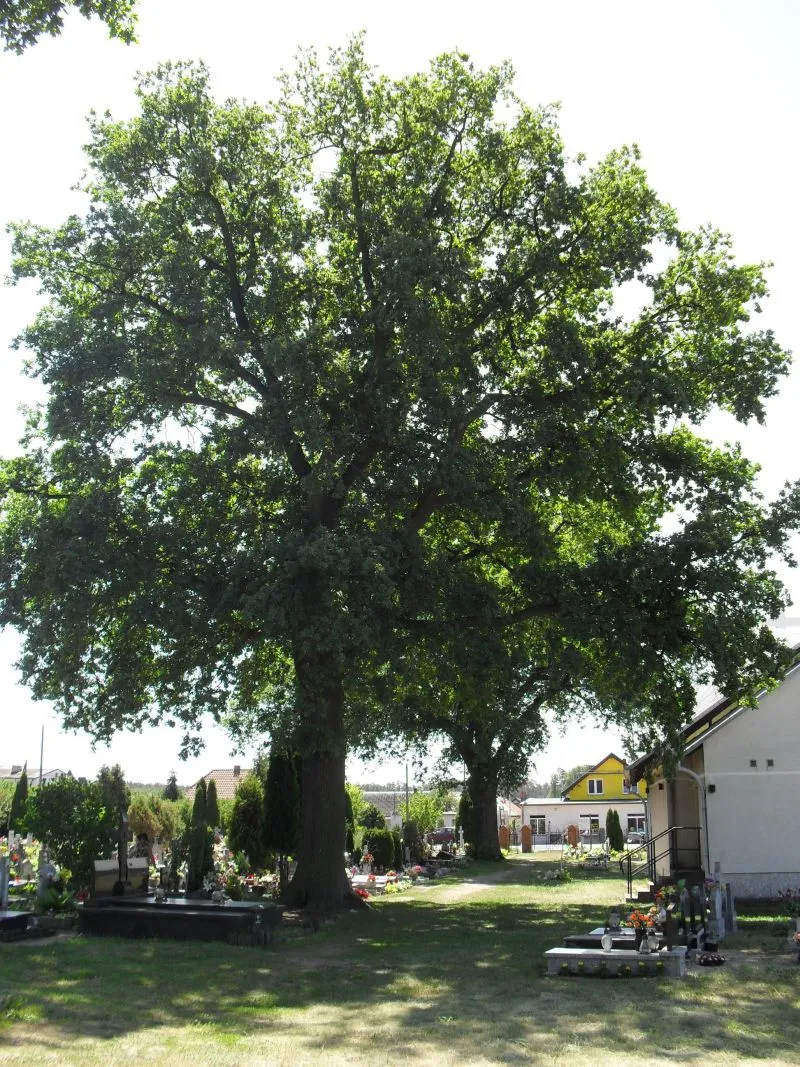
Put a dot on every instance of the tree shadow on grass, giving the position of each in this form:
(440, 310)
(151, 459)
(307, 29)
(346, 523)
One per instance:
(453, 981)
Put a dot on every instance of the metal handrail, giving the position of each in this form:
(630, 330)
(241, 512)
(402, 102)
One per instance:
(649, 864)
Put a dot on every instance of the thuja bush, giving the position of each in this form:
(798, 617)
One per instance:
(381, 844)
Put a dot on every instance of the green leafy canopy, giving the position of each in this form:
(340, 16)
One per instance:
(23, 22)
(336, 380)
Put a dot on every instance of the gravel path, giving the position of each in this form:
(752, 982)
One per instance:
(481, 881)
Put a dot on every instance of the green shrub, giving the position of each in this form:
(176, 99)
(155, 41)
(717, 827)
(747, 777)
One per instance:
(72, 822)
(55, 900)
(398, 850)
(372, 819)
(201, 842)
(412, 841)
(464, 818)
(616, 840)
(19, 801)
(246, 830)
(212, 805)
(381, 844)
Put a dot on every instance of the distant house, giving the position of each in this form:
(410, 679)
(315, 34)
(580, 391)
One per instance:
(389, 803)
(14, 773)
(732, 805)
(508, 812)
(226, 780)
(585, 803)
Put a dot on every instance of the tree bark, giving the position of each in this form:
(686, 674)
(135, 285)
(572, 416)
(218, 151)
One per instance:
(320, 882)
(482, 787)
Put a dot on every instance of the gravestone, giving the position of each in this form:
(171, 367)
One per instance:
(47, 874)
(504, 836)
(527, 839)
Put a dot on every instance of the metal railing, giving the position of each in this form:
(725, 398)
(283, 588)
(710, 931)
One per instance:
(680, 843)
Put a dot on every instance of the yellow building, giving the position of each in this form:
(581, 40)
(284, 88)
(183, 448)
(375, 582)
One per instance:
(607, 780)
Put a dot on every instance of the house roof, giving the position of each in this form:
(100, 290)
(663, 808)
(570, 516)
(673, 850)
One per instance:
(226, 780)
(14, 773)
(611, 755)
(387, 801)
(711, 711)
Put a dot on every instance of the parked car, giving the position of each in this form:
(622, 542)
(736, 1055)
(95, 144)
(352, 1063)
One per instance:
(445, 835)
(636, 837)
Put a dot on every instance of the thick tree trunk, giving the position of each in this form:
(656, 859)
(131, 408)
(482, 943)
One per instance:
(319, 882)
(483, 791)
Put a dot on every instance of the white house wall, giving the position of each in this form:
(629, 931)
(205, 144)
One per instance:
(658, 819)
(752, 811)
(561, 814)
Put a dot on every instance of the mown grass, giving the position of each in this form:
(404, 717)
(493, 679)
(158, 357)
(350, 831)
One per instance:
(415, 977)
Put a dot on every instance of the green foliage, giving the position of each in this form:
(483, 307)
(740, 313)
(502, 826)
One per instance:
(426, 810)
(412, 840)
(54, 900)
(331, 543)
(246, 830)
(71, 820)
(380, 842)
(355, 802)
(171, 791)
(23, 22)
(19, 803)
(200, 841)
(349, 821)
(397, 861)
(116, 795)
(233, 887)
(281, 804)
(561, 779)
(149, 813)
(212, 805)
(616, 838)
(371, 818)
(225, 812)
(7, 790)
(464, 818)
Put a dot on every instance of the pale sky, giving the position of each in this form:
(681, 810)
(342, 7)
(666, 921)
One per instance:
(709, 90)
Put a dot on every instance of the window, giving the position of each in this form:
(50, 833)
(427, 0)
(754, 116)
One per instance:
(538, 824)
(637, 824)
(770, 762)
(628, 787)
(595, 785)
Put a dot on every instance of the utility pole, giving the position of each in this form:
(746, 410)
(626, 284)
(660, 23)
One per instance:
(41, 757)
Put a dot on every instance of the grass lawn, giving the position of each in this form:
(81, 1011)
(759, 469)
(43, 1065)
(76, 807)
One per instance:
(443, 983)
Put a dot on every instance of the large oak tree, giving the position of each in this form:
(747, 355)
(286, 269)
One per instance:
(336, 372)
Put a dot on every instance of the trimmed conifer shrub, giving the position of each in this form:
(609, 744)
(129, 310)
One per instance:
(380, 842)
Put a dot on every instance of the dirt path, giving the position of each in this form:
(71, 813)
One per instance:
(481, 881)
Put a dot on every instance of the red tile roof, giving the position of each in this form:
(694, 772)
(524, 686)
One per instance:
(226, 780)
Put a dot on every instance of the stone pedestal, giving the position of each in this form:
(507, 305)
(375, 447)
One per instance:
(617, 962)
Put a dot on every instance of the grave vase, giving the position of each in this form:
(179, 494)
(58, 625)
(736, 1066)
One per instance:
(638, 937)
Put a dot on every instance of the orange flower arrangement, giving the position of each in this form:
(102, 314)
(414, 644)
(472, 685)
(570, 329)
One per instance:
(639, 920)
